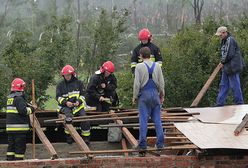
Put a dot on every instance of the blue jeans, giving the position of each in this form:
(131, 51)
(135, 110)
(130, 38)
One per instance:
(149, 106)
(229, 82)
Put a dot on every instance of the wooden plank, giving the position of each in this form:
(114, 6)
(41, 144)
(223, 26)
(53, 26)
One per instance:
(135, 150)
(169, 138)
(92, 116)
(181, 142)
(129, 136)
(153, 127)
(124, 146)
(133, 125)
(43, 137)
(165, 114)
(241, 126)
(33, 118)
(205, 87)
(120, 118)
(77, 138)
(171, 109)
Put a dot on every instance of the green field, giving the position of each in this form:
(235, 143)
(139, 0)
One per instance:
(51, 103)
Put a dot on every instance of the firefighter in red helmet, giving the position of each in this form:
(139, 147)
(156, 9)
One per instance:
(17, 120)
(101, 88)
(71, 101)
(145, 37)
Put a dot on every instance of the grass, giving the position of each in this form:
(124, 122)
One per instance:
(51, 103)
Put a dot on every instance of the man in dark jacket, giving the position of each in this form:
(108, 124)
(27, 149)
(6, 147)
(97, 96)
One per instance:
(17, 120)
(101, 88)
(145, 41)
(232, 64)
(69, 94)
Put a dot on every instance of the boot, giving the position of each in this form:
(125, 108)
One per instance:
(142, 151)
(69, 139)
(86, 140)
(10, 158)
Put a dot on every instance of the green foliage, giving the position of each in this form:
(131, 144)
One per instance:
(57, 44)
(241, 35)
(5, 74)
(189, 59)
(104, 38)
(125, 88)
(39, 61)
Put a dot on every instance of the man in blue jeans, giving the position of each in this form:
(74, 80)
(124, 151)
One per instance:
(232, 64)
(148, 89)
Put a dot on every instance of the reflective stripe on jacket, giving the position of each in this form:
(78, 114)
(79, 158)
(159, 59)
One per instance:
(17, 119)
(72, 91)
(155, 54)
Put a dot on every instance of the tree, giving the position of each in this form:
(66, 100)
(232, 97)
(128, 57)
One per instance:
(42, 60)
(104, 39)
(197, 6)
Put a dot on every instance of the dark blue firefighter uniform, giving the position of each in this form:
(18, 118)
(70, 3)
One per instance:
(149, 106)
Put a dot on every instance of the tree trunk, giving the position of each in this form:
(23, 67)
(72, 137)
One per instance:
(78, 33)
(135, 15)
(197, 6)
(2, 18)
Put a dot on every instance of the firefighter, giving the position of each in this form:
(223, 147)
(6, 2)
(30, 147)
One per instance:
(71, 102)
(17, 120)
(145, 41)
(101, 88)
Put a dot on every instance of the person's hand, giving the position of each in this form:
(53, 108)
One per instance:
(76, 104)
(34, 106)
(101, 98)
(134, 101)
(69, 104)
(103, 85)
(162, 99)
(220, 65)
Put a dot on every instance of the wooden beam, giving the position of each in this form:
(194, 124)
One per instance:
(153, 127)
(43, 137)
(129, 136)
(93, 116)
(169, 138)
(241, 126)
(77, 138)
(133, 125)
(166, 114)
(135, 150)
(33, 118)
(124, 146)
(171, 109)
(120, 118)
(205, 87)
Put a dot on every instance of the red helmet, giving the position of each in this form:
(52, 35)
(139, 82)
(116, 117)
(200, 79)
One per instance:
(68, 69)
(107, 66)
(18, 85)
(144, 34)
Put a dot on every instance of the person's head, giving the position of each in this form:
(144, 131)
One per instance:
(222, 32)
(145, 52)
(17, 85)
(107, 68)
(67, 72)
(144, 35)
